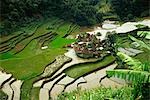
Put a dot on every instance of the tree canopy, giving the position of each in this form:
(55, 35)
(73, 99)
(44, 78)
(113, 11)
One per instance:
(82, 12)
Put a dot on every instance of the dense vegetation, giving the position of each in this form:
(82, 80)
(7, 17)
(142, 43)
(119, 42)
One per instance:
(16, 12)
(100, 93)
(128, 9)
(134, 69)
(137, 73)
(84, 12)
(33, 24)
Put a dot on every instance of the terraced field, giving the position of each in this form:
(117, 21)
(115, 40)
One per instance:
(36, 64)
(21, 54)
(39, 70)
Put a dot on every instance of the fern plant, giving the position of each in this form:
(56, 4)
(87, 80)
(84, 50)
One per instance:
(137, 72)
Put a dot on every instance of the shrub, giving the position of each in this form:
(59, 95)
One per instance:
(99, 34)
(3, 96)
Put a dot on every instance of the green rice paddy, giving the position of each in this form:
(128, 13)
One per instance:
(26, 60)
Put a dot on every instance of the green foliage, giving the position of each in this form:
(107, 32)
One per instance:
(138, 74)
(130, 75)
(3, 96)
(144, 34)
(26, 89)
(128, 9)
(34, 93)
(142, 44)
(81, 11)
(132, 63)
(84, 12)
(104, 6)
(100, 93)
(105, 9)
(17, 12)
(6, 55)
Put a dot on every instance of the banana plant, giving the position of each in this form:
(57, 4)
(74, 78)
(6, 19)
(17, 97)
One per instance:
(142, 44)
(135, 73)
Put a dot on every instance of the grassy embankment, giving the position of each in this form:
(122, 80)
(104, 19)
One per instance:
(79, 70)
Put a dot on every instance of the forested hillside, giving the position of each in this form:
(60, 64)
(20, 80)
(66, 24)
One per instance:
(82, 12)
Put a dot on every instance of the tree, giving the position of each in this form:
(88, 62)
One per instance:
(127, 9)
(17, 12)
(81, 11)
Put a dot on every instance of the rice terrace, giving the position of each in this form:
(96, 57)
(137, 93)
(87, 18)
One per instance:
(75, 50)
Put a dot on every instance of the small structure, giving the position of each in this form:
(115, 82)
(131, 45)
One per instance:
(89, 46)
(45, 47)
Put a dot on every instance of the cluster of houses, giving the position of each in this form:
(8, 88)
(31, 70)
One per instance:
(89, 45)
